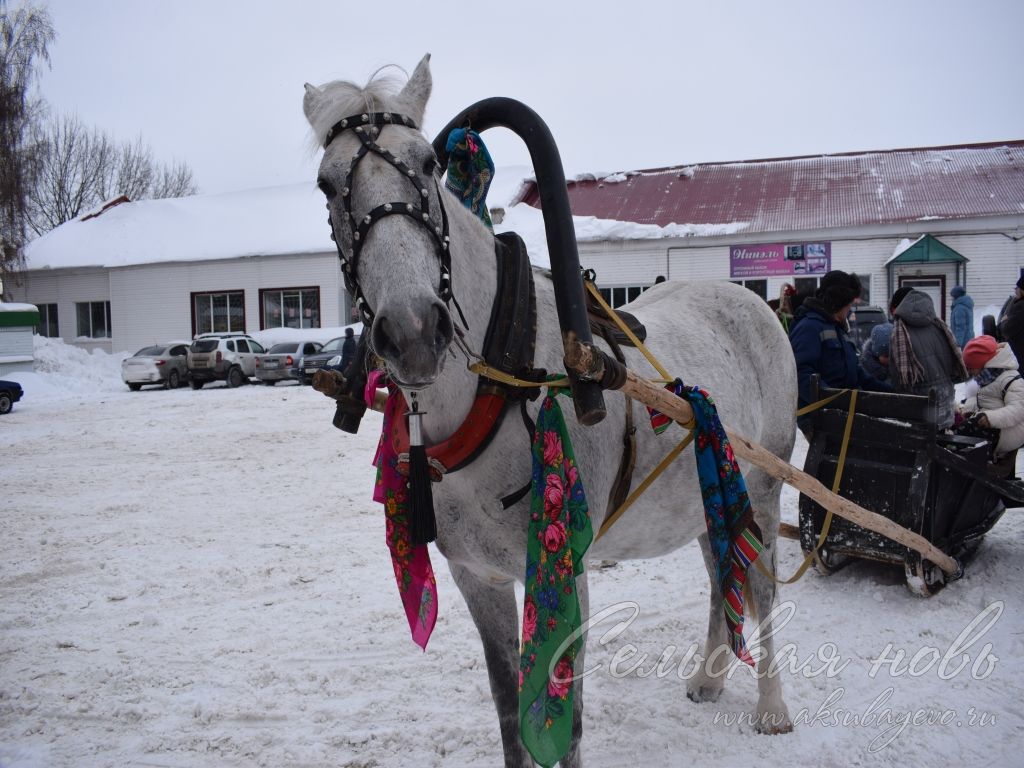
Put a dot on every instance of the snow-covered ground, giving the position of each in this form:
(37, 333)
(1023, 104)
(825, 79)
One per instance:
(199, 578)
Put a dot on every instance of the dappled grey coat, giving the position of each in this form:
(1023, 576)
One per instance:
(931, 346)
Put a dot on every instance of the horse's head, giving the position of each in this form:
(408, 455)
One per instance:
(381, 180)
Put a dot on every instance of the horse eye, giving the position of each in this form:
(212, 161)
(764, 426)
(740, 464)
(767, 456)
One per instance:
(326, 187)
(429, 166)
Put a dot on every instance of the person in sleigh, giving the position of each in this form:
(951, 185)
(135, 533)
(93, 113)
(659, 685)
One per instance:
(998, 404)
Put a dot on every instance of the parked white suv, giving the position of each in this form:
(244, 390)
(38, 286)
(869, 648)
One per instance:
(229, 357)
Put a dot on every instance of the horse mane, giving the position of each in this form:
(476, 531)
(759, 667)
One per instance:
(341, 98)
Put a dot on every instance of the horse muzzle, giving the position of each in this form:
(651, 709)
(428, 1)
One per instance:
(412, 339)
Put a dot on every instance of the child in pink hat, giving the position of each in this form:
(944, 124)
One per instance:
(999, 402)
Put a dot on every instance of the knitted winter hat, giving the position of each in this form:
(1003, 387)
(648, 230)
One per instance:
(979, 351)
(957, 292)
(880, 336)
(838, 289)
(900, 295)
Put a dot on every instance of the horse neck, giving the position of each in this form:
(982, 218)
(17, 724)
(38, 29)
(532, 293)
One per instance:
(474, 284)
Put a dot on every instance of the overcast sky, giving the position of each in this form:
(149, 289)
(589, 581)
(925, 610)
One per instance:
(622, 85)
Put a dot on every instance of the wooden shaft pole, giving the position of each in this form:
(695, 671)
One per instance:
(584, 360)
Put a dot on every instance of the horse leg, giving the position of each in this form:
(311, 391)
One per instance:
(493, 608)
(709, 680)
(574, 757)
(772, 714)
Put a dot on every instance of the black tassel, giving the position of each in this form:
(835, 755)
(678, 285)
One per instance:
(422, 525)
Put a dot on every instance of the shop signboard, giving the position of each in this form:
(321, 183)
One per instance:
(780, 260)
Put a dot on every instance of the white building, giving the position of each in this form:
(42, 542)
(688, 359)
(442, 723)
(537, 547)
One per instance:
(930, 218)
(136, 273)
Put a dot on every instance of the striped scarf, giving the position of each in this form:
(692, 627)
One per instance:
(908, 369)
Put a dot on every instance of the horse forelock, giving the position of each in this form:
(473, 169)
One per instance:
(341, 98)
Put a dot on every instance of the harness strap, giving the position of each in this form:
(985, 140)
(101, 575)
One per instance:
(367, 127)
(465, 444)
(516, 496)
(826, 525)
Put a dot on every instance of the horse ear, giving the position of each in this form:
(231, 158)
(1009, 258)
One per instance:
(417, 90)
(311, 100)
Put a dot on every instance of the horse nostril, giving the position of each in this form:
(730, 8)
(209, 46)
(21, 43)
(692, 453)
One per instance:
(444, 331)
(380, 337)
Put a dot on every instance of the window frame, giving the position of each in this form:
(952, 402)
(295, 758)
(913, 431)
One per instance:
(300, 290)
(194, 295)
(91, 319)
(48, 326)
(618, 295)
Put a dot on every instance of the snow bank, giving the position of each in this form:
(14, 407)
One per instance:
(64, 371)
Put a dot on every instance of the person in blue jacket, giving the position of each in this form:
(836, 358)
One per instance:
(961, 316)
(821, 342)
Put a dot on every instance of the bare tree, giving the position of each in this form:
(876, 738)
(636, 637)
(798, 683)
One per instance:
(174, 180)
(81, 168)
(25, 35)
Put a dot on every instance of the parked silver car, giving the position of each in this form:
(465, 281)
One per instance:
(285, 361)
(228, 357)
(164, 364)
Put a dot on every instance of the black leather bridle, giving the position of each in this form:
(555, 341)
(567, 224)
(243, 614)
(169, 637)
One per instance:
(367, 126)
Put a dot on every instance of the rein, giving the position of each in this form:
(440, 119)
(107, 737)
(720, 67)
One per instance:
(367, 127)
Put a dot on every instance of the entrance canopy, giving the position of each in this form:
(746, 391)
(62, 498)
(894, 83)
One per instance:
(926, 249)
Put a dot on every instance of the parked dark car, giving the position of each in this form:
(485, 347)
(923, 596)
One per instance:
(862, 320)
(10, 393)
(313, 363)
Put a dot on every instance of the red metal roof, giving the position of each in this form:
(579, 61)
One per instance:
(814, 192)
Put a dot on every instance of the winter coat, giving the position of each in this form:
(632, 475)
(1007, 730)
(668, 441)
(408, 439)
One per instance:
(1005, 412)
(875, 347)
(961, 320)
(941, 363)
(348, 351)
(1012, 329)
(823, 346)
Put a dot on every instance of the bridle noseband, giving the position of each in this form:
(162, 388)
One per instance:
(367, 127)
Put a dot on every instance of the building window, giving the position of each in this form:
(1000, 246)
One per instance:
(93, 319)
(865, 289)
(218, 312)
(618, 295)
(290, 308)
(805, 285)
(760, 287)
(47, 320)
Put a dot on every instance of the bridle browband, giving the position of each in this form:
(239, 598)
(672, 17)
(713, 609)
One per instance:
(367, 126)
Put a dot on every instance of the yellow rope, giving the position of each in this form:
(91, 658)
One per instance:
(640, 489)
(625, 329)
(483, 369)
(827, 523)
(821, 403)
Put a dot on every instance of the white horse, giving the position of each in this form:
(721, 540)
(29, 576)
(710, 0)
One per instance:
(718, 335)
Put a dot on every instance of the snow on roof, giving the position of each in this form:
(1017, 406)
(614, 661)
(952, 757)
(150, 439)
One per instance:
(901, 246)
(14, 307)
(257, 222)
(276, 221)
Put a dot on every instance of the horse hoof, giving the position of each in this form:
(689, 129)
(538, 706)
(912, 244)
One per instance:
(773, 724)
(703, 693)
